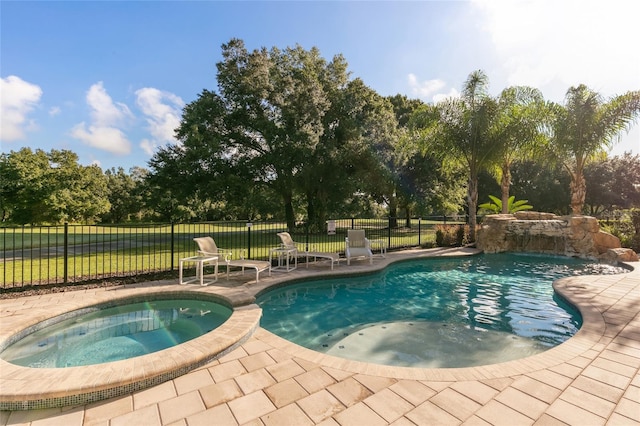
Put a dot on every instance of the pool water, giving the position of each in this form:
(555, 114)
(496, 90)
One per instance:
(116, 333)
(454, 312)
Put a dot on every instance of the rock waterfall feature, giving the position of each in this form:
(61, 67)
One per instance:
(575, 236)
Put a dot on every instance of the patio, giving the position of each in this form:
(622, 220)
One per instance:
(592, 379)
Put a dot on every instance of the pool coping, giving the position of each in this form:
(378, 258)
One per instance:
(17, 383)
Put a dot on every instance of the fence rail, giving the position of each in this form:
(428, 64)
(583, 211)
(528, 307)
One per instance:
(37, 255)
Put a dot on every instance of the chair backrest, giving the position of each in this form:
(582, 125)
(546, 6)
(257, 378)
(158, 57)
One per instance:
(206, 245)
(286, 239)
(356, 237)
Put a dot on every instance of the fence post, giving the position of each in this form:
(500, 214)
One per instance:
(65, 267)
(389, 232)
(419, 231)
(249, 224)
(353, 222)
(173, 245)
(306, 242)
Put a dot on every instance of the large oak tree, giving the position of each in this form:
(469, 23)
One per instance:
(287, 121)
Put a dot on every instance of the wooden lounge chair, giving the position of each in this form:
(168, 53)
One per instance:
(287, 242)
(357, 245)
(208, 247)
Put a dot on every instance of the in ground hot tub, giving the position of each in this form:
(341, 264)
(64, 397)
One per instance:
(150, 336)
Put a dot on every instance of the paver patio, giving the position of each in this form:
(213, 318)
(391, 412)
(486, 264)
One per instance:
(592, 379)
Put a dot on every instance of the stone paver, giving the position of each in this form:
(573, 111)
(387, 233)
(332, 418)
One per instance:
(315, 380)
(268, 381)
(192, 381)
(284, 393)
(428, 413)
(388, 405)
(251, 407)
(220, 393)
(100, 412)
(360, 414)
(290, 415)
(254, 381)
(145, 416)
(180, 407)
(320, 405)
(153, 395)
(349, 391)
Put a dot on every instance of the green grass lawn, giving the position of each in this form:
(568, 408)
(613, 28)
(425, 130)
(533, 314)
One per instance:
(35, 255)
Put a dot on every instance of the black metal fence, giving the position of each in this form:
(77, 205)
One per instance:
(36, 255)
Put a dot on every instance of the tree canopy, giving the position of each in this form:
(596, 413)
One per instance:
(41, 187)
(288, 134)
(459, 130)
(584, 126)
(287, 123)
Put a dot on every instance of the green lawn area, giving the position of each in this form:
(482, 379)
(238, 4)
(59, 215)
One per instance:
(35, 255)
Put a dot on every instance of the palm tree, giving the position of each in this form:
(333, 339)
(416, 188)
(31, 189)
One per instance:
(584, 127)
(460, 133)
(517, 131)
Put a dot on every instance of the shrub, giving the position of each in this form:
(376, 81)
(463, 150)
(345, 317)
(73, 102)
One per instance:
(495, 205)
(452, 235)
(624, 230)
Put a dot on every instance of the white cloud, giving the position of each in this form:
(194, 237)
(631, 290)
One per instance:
(17, 99)
(162, 112)
(108, 139)
(53, 111)
(147, 146)
(554, 45)
(439, 97)
(104, 111)
(424, 89)
(430, 90)
(104, 132)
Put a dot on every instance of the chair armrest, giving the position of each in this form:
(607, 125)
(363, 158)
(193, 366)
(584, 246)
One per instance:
(226, 253)
(367, 243)
(241, 254)
(293, 246)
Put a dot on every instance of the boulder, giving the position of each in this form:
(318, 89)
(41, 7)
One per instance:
(616, 255)
(538, 232)
(605, 241)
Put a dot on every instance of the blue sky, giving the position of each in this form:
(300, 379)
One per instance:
(108, 79)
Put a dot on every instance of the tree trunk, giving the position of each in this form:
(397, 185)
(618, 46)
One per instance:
(288, 212)
(316, 211)
(472, 200)
(393, 211)
(505, 182)
(407, 219)
(578, 188)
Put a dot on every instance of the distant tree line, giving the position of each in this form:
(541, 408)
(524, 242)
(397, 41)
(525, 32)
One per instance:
(291, 136)
(53, 193)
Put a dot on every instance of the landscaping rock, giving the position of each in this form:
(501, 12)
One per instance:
(578, 236)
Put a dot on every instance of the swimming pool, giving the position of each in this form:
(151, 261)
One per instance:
(102, 334)
(433, 312)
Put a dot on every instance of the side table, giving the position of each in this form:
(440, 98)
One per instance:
(284, 255)
(379, 245)
(199, 261)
